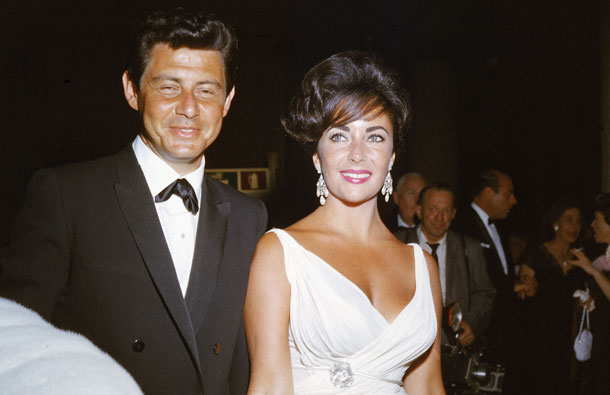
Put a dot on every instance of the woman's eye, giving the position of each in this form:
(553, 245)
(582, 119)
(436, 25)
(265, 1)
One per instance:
(337, 137)
(376, 138)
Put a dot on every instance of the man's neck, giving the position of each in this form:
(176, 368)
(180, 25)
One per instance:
(408, 223)
(430, 238)
(483, 208)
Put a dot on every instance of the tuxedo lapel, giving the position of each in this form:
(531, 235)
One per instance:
(138, 208)
(488, 240)
(483, 231)
(208, 254)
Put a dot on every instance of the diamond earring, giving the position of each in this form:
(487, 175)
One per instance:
(387, 189)
(321, 190)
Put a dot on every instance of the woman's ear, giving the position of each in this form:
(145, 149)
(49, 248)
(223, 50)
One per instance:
(392, 161)
(316, 162)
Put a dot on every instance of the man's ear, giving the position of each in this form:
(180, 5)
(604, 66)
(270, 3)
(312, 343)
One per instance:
(418, 211)
(395, 197)
(228, 100)
(130, 91)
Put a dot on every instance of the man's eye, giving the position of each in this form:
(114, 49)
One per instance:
(169, 89)
(205, 92)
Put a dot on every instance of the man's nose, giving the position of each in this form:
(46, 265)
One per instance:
(188, 105)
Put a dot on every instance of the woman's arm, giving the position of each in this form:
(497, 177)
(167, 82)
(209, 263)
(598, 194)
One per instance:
(266, 315)
(527, 284)
(424, 376)
(585, 264)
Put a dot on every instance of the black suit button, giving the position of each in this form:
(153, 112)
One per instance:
(216, 348)
(138, 345)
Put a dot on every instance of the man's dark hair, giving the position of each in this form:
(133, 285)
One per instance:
(180, 28)
(602, 204)
(436, 186)
(341, 89)
(554, 213)
(488, 178)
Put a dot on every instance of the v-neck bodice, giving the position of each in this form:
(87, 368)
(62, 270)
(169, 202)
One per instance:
(332, 320)
(324, 265)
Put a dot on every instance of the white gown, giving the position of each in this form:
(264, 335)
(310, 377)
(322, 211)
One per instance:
(335, 333)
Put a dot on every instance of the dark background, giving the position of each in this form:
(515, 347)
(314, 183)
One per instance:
(523, 78)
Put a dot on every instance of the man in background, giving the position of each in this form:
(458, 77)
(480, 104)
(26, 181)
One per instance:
(405, 197)
(462, 267)
(493, 197)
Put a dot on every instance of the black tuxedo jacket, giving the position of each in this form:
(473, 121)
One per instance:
(466, 278)
(502, 328)
(88, 253)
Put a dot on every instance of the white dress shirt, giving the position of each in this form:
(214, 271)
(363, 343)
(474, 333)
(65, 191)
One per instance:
(441, 253)
(403, 223)
(493, 232)
(178, 224)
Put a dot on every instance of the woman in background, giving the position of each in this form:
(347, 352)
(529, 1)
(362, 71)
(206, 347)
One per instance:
(551, 312)
(335, 303)
(598, 380)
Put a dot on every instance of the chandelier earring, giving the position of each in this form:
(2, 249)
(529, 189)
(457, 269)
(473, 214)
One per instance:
(321, 189)
(387, 189)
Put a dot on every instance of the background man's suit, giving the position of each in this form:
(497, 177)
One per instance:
(466, 282)
(502, 333)
(89, 254)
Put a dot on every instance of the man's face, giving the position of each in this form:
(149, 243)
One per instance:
(406, 198)
(183, 100)
(436, 214)
(504, 200)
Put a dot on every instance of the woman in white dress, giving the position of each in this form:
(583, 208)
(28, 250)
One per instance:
(336, 304)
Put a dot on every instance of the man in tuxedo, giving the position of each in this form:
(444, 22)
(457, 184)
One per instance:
(462, 267)
(405, 197)
(493, 198)
(140, 251)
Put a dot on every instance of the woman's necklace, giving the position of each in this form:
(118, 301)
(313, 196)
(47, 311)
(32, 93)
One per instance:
(559, 256)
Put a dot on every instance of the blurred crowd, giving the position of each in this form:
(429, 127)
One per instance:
(525, 295)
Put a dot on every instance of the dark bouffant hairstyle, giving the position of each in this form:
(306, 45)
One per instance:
(436, 186)
(602, 204)
(341, 89)
(180, 28)
(489, 178)
(554, 213)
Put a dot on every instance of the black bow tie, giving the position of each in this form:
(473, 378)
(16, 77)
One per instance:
(183, 190)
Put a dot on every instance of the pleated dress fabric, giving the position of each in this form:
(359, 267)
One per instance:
(332, 321)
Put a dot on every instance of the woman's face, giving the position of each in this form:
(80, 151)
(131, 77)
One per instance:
(601, 229)
(568, 225)
(355, 158)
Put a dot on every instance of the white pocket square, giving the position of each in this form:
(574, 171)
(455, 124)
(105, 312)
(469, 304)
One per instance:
(485, 245)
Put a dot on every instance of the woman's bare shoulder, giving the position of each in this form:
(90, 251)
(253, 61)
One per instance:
(269, 250)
